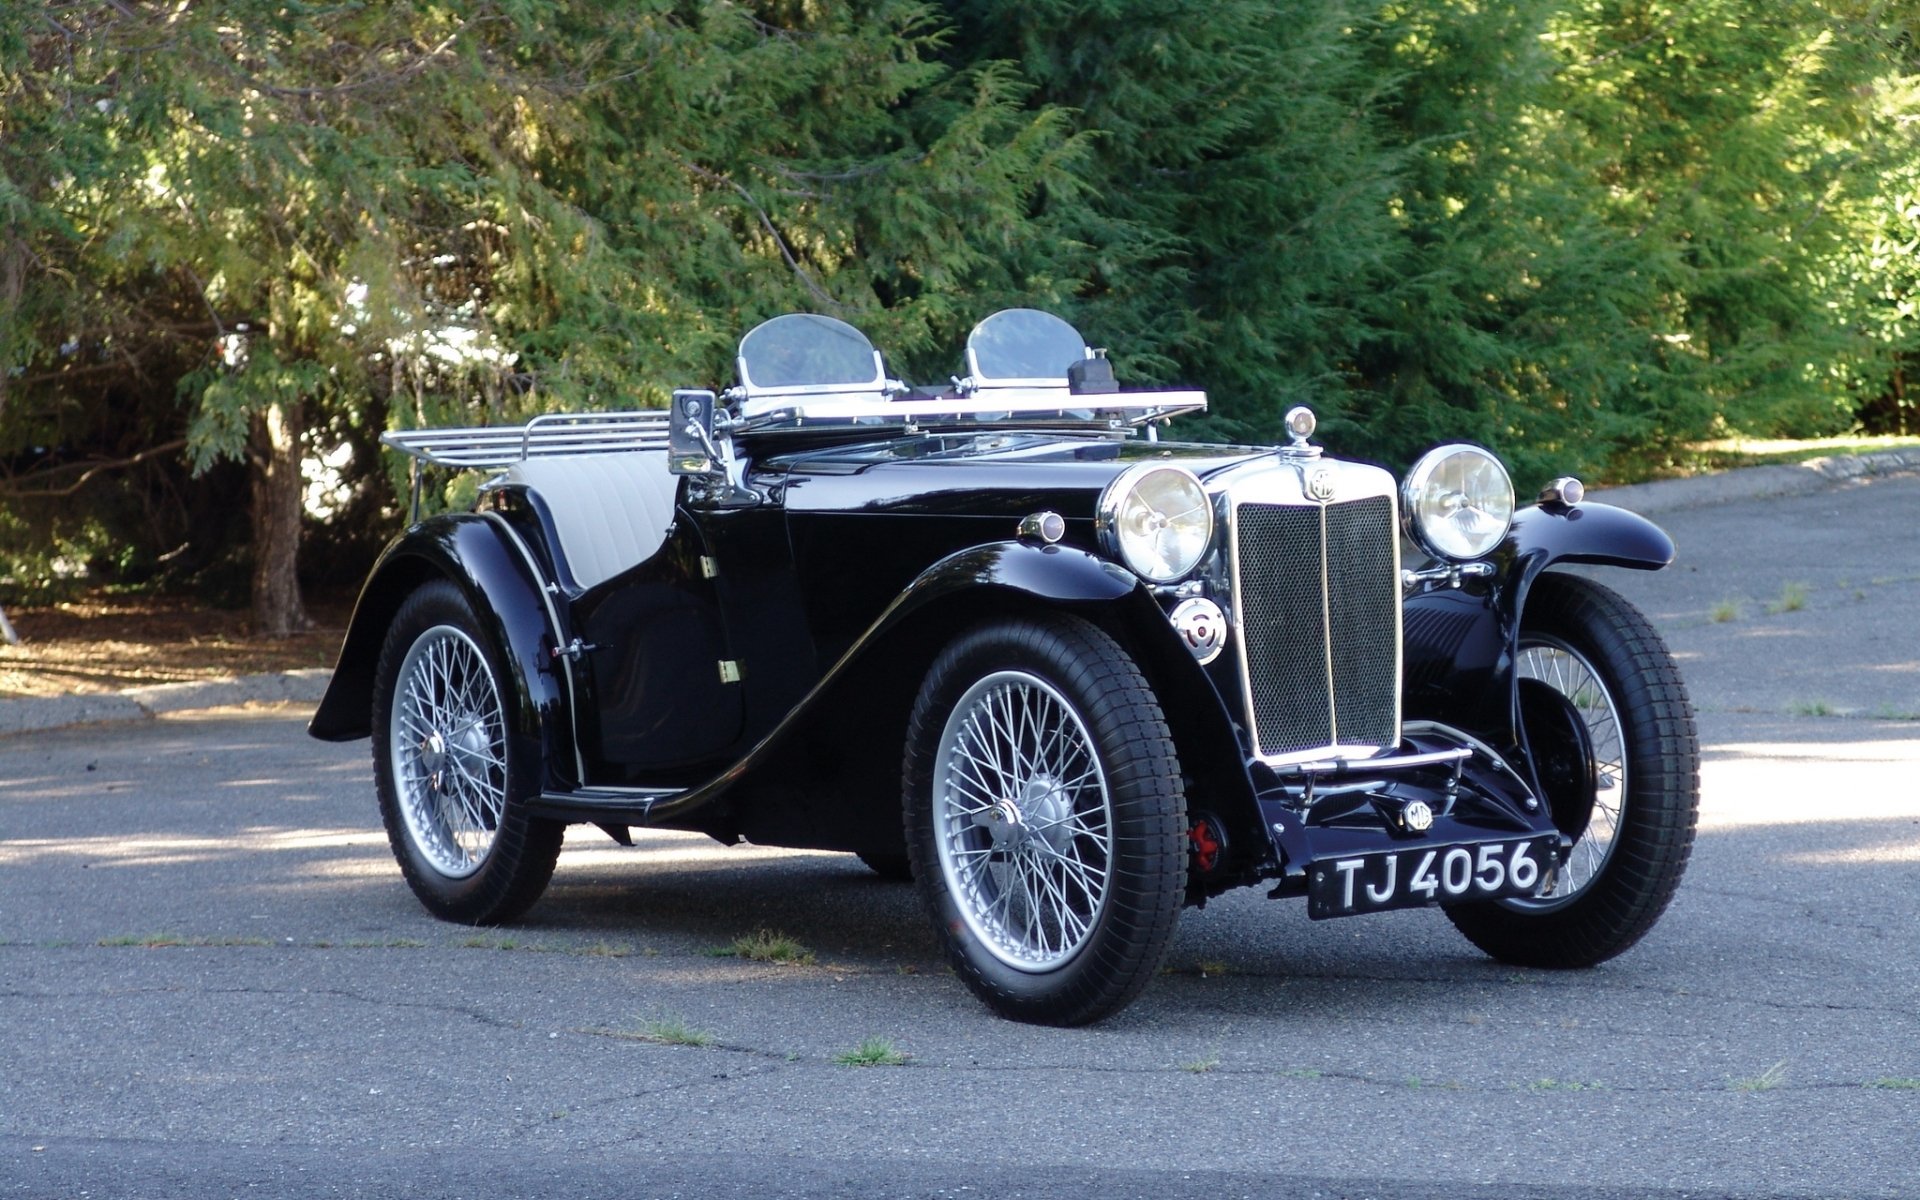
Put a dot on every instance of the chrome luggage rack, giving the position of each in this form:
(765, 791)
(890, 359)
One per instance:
(486, 447)
(493, 447)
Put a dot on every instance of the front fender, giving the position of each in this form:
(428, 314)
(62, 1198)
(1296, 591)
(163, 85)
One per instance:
(1583, 533)
(1461, 643)
(1058, 574)
(479, 554)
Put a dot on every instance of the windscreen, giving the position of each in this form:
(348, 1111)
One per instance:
(1024, 343)
(807, 350)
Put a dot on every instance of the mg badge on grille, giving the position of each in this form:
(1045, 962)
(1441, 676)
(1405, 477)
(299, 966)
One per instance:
(1320, 484)
(1202, 626)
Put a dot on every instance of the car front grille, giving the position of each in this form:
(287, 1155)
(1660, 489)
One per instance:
(1319, 597)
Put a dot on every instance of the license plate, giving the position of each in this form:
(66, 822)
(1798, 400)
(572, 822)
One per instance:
(1420, 875)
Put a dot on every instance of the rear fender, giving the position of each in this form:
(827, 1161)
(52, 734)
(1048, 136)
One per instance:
(481, 555)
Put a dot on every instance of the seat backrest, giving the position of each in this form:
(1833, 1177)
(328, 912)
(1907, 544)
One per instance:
(611, 511)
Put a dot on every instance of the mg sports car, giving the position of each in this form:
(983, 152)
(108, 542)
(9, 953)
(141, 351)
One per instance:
(1011, 639)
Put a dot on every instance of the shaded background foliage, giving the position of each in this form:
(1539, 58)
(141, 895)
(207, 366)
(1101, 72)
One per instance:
(239, 235)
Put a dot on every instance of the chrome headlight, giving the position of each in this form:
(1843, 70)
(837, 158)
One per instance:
(1156, 518)
(1458, 502)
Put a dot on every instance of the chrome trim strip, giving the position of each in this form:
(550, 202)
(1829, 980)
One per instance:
(1282, 480)
(553, 619)
(1395, 762)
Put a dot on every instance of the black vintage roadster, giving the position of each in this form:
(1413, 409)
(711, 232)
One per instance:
(1003, 638)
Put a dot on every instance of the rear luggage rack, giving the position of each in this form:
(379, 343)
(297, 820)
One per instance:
(493, 446)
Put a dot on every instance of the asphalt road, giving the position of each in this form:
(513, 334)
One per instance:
(213, 982)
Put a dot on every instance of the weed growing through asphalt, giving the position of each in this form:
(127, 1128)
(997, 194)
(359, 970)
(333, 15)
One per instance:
(1565, 1085)
(765, 945)
(1765, 1081)
(872, 1052)
(1203, 1064)
(672, 1031)
(158, 941)
(1726, 610)
(1793, 598)
(1812, 708)
(605, 950)
(1895, 1083)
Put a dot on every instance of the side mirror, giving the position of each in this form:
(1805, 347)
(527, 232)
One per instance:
(690, 446)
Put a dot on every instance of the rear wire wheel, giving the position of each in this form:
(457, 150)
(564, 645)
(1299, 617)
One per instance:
(1590, 659)
(452, 778)
(1045, 821)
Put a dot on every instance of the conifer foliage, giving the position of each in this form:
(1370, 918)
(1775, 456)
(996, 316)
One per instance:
(1586, 232)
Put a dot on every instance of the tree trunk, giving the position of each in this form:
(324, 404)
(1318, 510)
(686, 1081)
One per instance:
(278, 609)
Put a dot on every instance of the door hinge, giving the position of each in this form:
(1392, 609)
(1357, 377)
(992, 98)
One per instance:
(709, 569)
(729, 671)
(573, 650)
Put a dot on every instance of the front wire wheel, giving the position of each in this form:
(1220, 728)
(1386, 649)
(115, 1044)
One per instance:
(451, 780)
(1630, 799)
(1045, 818)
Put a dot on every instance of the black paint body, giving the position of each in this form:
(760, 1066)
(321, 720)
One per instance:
(838, 573)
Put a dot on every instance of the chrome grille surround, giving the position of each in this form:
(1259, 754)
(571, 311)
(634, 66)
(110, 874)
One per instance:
(1315, 609)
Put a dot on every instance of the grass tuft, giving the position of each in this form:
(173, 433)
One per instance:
(672, 1031)
(156, 941)
(1895, 1083)
(1203, 1064)
(1765, 1081)
(872, 1052)
(765, 945)
(1725, 611)
(1793, 598)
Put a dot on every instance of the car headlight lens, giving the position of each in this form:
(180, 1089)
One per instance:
(1458, 502)
(1158, 520)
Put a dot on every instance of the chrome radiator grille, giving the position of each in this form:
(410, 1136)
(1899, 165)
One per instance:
(1317, 587)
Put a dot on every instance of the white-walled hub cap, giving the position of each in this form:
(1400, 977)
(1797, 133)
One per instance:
(1458, 502)
(1157, 519)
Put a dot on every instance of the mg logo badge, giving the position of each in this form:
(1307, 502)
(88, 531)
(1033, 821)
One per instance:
(1320, 484)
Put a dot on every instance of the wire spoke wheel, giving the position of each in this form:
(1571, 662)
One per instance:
(1621, 766)
(453, 778)
(1568, 672)
(1024, 820)
(1045, 819)
(449, 751)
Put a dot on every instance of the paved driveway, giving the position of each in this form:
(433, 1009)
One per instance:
(213, 981)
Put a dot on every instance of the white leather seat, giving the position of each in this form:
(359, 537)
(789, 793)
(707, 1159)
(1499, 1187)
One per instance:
(611, 511)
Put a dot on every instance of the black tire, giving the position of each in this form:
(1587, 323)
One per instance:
(1606, 664)
(1055, 878)
(453, 785)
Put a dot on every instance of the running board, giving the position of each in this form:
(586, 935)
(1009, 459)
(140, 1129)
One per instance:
(615, 805)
